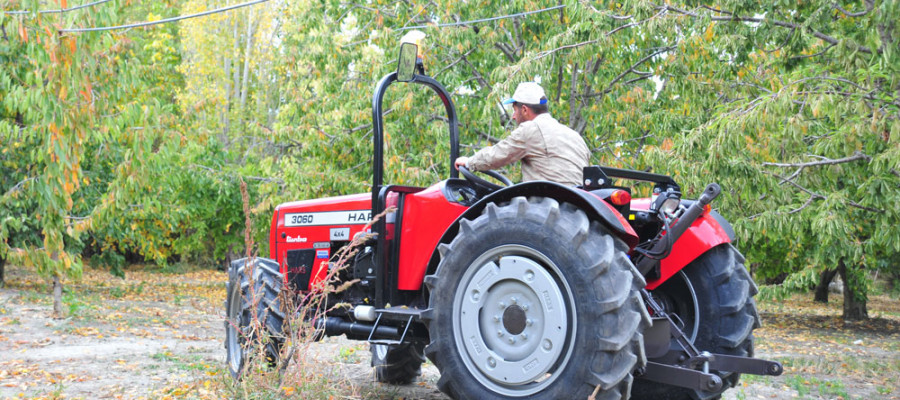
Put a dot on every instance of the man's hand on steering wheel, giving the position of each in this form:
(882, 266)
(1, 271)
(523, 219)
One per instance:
(482, 186)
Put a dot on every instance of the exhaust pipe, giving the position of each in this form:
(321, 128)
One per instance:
(334, 326)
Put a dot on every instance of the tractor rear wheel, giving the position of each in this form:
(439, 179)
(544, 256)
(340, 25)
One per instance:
(248, 300)
(397, 364)
(533, 300)
(713, 296)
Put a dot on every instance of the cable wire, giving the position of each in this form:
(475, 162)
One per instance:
(60, 11)
(179, 18)
(163, 21)
(476, 21)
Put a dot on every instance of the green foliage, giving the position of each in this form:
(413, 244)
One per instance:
(803, 139)
(132, 144)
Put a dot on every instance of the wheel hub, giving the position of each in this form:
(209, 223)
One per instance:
(514, 319)
(521, 314)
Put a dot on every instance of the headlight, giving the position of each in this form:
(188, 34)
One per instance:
(666, 202)
(669, 205)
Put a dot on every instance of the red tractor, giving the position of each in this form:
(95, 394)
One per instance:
(532, 290)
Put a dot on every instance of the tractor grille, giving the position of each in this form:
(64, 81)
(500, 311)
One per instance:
(299, 268)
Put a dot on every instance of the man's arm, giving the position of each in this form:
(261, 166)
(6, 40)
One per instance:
(509, 150)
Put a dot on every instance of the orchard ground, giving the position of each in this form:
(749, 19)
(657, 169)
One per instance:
(159, 334)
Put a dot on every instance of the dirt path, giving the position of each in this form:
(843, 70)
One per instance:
(160, 336)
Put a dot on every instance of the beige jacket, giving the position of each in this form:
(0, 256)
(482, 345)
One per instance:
(549, 151)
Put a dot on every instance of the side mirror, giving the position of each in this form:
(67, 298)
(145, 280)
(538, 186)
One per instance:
(406, 64)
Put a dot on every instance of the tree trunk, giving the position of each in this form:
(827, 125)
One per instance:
(822, 289)
(2, 266)
(854, 305)
(57, 298)
(245, 81)
(224, 106)
(235, 69)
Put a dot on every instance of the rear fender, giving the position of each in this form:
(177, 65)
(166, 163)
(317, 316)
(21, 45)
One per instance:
(708, 231)
(595, 208)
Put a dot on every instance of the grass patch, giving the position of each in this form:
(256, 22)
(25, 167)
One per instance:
(181, 362)
(806, 385)
(351, 354)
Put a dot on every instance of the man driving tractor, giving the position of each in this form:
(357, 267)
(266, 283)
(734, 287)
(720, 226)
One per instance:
(549, 150)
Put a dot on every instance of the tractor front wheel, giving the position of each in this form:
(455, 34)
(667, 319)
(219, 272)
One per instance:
(397, 363)
(533, 300)
(253, 295)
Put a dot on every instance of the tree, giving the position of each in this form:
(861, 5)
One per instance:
(805, 137)
(65, 100)
(792, 107)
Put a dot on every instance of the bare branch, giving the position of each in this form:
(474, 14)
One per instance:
(751, 84)
(786, 40)
(588, 42)
(862, 207)
(661, 12)
(792, 176)
(568, 46)
(478, 77)
(814, 55)
(856, 156)
(509, 52)
(808, 202)
(639, 78)
(716, 10)
(483, 134)
(238, 177)
(869, 7)
(783, 24)
(629, 70)
(828, 78)
(19, 185)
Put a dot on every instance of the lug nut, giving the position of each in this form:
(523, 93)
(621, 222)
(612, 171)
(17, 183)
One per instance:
(502, 305)
(496, 318)
(529, 322)
(514, 300)
(512, 340)
(524, 336)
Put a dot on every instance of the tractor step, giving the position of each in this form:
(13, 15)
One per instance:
(400, 313)
(405, 314)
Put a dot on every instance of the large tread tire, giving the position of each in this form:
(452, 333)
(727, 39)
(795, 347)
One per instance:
(240, 336)
(590, 272)
(397, 364)
(727, 318)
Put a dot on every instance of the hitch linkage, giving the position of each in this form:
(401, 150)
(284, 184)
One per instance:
(689, 367)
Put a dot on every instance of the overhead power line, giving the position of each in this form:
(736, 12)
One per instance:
(60, 11)
(163, 21)
(477, 21)
(250, 3)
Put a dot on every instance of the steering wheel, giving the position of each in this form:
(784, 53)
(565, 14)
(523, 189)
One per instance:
(482, 186)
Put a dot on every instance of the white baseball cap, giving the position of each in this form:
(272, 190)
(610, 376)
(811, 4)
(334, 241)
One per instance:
(528, 93)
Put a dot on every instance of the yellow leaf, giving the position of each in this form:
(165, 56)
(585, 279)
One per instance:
(708, 35)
